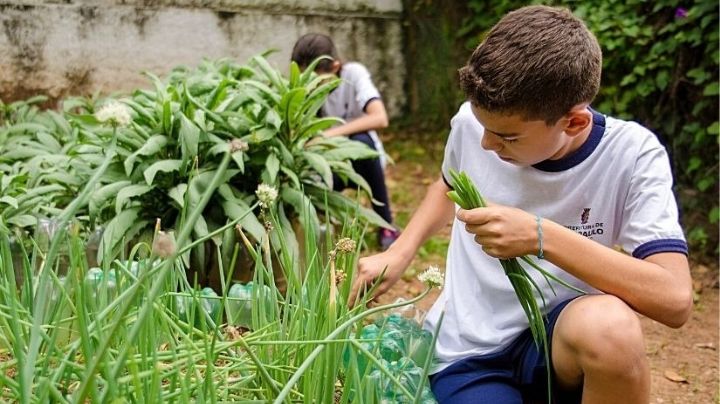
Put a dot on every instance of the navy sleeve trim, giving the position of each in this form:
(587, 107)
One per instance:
(369, 101)
(660, 246)
(446, 181)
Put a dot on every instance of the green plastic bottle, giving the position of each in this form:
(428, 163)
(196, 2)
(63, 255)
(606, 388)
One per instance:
(242, 298)
(186, 307)
(240, 305)
(100, 288)
(210, 302)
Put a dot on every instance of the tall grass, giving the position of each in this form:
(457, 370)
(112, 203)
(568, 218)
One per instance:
(69, 337)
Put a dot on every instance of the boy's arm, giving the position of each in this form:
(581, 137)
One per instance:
(434, 212)
(658, 287)
(375, 117)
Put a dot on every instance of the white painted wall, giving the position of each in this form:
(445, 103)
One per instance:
(66, 47)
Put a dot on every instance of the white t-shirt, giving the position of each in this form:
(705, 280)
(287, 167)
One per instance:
(349, 100)
(615, 189)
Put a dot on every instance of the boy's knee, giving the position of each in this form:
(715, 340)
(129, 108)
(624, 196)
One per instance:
(604, 332)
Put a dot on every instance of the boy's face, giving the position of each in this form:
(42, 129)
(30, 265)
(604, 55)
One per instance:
(524, 143)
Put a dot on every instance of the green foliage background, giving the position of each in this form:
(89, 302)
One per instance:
(660, 68)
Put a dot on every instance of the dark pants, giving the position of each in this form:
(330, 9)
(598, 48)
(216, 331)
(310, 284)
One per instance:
(515, 375)
(371, 170)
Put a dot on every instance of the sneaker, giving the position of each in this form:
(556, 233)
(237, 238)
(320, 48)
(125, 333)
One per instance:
(386, 237)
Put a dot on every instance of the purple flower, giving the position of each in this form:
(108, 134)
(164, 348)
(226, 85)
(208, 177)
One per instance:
(681, 12)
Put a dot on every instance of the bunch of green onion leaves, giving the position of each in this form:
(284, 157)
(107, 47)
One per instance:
(466, 195)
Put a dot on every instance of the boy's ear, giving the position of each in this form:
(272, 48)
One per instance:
(577, 120)
(335, 67)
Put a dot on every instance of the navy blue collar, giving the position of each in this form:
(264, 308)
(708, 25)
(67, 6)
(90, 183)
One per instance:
(579, 155)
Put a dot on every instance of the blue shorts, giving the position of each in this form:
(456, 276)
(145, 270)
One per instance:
(515, 374)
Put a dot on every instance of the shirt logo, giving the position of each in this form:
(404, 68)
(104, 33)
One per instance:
(586, 227)
(585, 216)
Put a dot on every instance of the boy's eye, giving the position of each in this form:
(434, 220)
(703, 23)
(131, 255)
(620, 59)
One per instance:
(509, 139)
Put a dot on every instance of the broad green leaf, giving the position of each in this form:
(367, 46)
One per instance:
(9, 200)
(359, 151)
(144, 113)
(238, 157)
(302, 207)
(317, 126)
(712, 89)
(164, 166)
(48, 141)
(262, 90)
(714, 128)
(714, 215)
(167, 118)
(272, 165)
(291, 175)
(289, 242)
(218, 94)
(102, 194)
(116, 229)
(28, 127)
(129, 192)
(189, 138)
(159, 86)
(342, 206)
(294, 74)
(151, 147)
(236, 208)
(22, 220)
(200, 228)
(271, 74)
(694, 164)
(309, 71)
(177, 194)
(319, 164)
(199, 184)
(259, 136)
(28, 197)
(705, 183)
(344, 170)
(64, 178)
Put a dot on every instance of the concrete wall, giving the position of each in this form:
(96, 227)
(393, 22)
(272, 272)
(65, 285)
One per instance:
(69, 47)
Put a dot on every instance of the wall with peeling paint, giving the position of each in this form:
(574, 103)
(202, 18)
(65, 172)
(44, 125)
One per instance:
(71, 47)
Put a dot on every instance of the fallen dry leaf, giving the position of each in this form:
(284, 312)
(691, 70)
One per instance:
(705, 345)
(675, 377)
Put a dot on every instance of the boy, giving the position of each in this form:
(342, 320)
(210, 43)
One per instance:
(566, 184)
(357, 101)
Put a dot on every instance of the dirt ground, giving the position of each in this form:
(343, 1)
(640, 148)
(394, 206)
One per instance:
(684, 361)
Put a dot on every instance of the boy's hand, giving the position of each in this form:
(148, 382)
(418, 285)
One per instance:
(370, 268)
(503, 232)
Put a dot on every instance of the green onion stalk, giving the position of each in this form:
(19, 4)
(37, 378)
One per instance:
(466, 195)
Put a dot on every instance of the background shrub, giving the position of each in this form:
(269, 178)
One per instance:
(660, 68)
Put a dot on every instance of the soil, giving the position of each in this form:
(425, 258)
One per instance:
(684, 362)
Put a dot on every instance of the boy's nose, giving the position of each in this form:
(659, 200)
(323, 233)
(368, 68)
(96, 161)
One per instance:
(490, 142)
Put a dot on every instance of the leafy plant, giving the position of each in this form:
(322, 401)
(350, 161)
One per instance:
(169, 150)
(181, 127)
(38, 175)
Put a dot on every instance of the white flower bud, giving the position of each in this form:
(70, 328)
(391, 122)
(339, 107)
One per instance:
(432, 277)
(114, 113)
(266, 194)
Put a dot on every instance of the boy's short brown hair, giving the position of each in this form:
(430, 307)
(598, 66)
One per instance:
(310, 47)
(537, 61)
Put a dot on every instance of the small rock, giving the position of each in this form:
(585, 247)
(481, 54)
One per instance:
(705, 345)
(674, 377)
